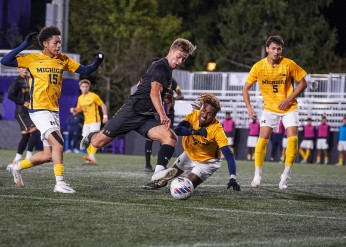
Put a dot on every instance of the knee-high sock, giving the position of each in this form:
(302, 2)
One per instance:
(307, 154)
(59, 172)
(23, 142)
(165, 154)
(91, 150)
(148, 149)
(33, 139)
(260, 151)
(25, 164)
(301, 152)
(291, 150)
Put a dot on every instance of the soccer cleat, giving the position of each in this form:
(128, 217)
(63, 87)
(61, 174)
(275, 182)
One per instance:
(17, 178)
(256, 181)
(89, 160)
(283, 182)
(84, 143)
(162, 177)
(153, 186)
(63, 187)
(149, 169)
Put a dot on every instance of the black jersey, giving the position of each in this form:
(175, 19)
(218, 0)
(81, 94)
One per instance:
(159, 71)
(19, 93)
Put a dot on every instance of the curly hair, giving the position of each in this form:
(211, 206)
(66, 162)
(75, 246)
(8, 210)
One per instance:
(47, 33)
(210, 99)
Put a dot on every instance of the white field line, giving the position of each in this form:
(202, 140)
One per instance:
(151, 205)
(275, 242)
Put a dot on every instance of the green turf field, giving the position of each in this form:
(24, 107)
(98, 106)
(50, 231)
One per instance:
(110, 208)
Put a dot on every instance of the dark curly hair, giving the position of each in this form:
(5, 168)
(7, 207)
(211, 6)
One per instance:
(210, 99)
(47, 33)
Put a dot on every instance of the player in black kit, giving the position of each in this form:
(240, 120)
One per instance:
(139, 110)
(19, 94)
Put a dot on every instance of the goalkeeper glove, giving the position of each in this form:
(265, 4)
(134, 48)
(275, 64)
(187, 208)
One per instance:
(233, 183)
(31, 37)
(201, 132)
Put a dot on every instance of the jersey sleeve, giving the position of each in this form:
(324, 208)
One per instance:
(98, 100)
(159, 75)
(296, 72)
(24, 60)
(220, 137)
(70, 65)
(78, 103)
(252, 77)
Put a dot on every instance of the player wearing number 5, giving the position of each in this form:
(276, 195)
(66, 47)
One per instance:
(275, 75)
(89, 103)
(46, 70)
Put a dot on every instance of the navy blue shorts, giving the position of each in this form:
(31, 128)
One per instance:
(24, 121)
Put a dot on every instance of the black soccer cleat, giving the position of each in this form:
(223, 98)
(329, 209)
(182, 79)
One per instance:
(153, 186)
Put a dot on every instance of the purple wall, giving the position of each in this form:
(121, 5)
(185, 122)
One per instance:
(14, 22)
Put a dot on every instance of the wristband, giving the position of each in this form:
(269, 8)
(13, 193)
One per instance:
(105, 116)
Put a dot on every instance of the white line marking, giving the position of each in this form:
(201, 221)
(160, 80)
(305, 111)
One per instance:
(152, 205)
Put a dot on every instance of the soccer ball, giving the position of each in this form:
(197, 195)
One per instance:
(181, 188)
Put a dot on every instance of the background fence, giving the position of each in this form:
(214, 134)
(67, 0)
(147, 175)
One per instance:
(325, 96)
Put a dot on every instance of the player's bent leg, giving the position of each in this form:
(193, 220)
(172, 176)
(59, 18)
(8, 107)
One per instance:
(196, 180)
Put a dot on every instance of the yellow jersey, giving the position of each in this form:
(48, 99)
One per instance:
(46, 78)
(276, 83)
(203, 149)
(89, 103)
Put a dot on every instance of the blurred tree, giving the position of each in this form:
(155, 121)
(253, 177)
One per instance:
(129, 33)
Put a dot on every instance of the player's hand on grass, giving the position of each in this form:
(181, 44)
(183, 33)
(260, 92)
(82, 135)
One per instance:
(201, 132)
(234, 184)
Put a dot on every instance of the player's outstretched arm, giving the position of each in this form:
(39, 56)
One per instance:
(10, 58)
(232, 168)
(88, 69)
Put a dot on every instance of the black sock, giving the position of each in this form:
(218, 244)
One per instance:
(23, 142)
(148, 149)
(33, 139)
(165, 154)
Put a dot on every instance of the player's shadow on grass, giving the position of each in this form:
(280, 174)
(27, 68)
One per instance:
(306, 196)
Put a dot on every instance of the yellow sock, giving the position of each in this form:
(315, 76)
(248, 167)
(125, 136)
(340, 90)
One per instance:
(260, 151)
(91, 150)
(341, 160)
(291, 150)
(25, 164)
(58, 170)
(318, 159)
(307, 154)
(301, 152)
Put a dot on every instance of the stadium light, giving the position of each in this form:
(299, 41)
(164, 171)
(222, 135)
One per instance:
(211, 66)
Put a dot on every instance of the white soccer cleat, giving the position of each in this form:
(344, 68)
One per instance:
(256, 181)
(17, 178)
(84, 143)
(283, 182)
(63, 187)
(162, 177)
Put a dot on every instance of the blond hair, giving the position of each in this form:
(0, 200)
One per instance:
(183, 45)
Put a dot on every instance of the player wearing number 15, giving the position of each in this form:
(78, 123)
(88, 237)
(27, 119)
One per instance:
(275, 75)
(46, 70)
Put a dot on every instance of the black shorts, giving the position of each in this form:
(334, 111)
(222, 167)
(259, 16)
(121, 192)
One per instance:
(126, 119)
(24, 121)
